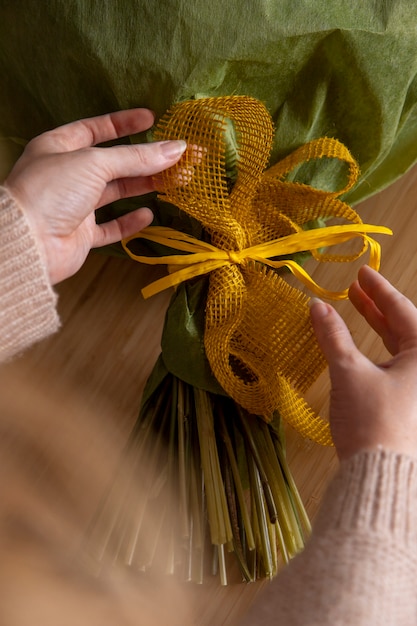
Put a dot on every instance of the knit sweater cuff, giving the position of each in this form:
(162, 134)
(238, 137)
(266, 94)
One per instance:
(373, 491)
(27, 300)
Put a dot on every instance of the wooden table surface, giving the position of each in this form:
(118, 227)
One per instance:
(110, 339)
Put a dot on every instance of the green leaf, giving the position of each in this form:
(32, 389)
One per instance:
(183, 337)
(154, 381)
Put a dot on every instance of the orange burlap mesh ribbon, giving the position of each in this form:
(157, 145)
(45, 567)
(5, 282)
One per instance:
(258, 337)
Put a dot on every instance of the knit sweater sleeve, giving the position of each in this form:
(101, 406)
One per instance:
(27, 300)
(359, 566)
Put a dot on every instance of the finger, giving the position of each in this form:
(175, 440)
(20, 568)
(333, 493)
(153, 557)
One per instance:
(124, 226)
(196, 154)
(129, 187)
(126, 188)
(368, 309)
(183, 175)
(182, 178)
(138, 160)
(333, 336)
(399, 313)
(93, 130)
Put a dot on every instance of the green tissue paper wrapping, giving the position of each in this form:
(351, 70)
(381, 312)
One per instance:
(322, 67)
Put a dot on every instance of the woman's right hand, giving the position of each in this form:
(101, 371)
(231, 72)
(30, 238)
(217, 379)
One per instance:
(372, 405)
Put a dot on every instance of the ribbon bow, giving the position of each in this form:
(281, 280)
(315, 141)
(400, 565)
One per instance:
(258, 336)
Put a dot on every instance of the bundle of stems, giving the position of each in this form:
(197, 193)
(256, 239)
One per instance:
(227, 471)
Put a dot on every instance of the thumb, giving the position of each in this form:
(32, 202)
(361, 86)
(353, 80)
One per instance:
(333, 335)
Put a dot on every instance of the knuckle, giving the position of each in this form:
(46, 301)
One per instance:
(140, 154)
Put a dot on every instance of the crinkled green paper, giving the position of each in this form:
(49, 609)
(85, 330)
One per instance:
(323, 67)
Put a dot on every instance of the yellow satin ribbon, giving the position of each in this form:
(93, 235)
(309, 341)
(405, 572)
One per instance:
(204, 258)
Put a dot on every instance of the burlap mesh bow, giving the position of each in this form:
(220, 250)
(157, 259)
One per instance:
(258, 336)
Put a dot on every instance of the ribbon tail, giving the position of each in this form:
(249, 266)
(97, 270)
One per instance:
(179, 276)
(303, 276)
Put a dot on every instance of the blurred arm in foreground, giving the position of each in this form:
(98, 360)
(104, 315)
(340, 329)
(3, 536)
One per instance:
(57, 459)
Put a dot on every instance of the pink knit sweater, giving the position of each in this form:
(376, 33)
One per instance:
(27, 300)
(359, 567)
(360, 564)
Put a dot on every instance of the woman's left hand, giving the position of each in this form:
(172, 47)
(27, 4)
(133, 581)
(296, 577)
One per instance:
(62, 177)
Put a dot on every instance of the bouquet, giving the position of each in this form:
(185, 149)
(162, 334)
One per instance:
(238, 349)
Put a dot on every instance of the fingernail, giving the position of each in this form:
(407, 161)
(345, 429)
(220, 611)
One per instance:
(173, 149)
